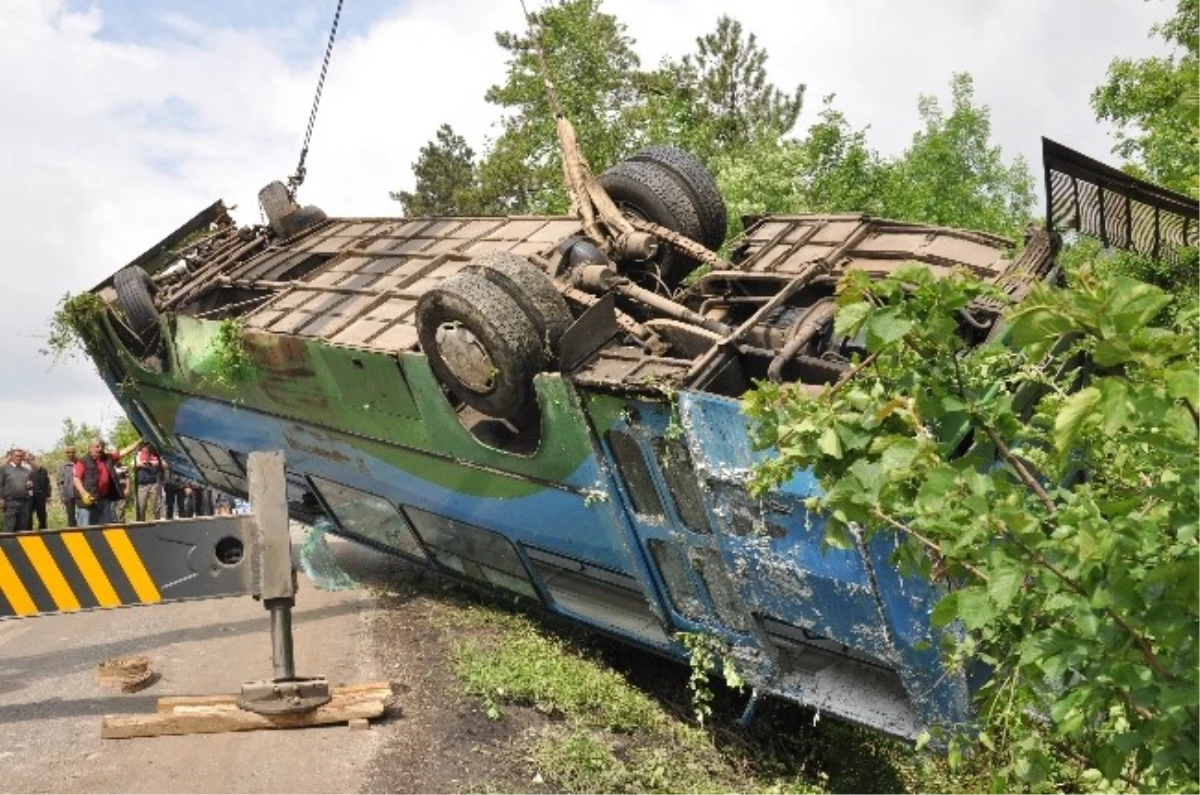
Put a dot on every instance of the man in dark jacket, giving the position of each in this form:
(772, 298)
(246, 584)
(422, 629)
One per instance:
(15, 490)
(96, 483)
(66, 486)
(41, 490)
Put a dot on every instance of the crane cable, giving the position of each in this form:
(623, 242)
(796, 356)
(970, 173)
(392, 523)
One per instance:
(297, 179)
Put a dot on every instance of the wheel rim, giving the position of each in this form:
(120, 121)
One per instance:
(465, 357)
(629, 211)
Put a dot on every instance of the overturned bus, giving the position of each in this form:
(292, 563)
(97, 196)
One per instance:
(546, 406)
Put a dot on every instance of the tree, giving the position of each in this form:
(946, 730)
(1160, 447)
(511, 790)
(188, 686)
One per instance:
(669, 111)
(839, 172)
(122, 433)
(735, 101)
(1153, 104)
(446, 178)
(762, 178)
(77, 435)
(953, 175)
(591, 62)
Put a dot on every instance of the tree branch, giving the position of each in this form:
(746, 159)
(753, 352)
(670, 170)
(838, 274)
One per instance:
(1023, 473)
(849, 375)
(1141, 640)
(928, 543)
(1029, 480)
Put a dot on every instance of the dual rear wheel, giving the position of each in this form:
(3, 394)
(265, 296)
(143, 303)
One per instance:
(488, 330)
(673, 189)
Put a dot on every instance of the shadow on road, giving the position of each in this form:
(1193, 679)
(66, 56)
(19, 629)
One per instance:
(17, 672)
(51, 708)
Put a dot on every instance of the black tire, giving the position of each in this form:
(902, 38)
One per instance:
(502, 385)
(706, 196)
(306, 216)
(135, 298)
(650, 192)
(533, 291)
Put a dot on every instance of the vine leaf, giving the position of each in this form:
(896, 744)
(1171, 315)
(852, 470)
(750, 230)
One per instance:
(1074, 411)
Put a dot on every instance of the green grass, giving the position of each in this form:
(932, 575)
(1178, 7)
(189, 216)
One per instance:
(525, 667)
(621, 720)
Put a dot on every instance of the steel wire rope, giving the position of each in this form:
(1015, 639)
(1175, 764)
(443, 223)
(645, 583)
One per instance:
(297, 179)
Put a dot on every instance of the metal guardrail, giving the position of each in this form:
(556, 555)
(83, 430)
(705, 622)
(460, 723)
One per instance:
(1117, 208)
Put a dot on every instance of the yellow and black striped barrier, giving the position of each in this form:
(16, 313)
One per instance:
(62, 571)
(68, 571)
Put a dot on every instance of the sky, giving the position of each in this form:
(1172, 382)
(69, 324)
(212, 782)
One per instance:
(122, 118)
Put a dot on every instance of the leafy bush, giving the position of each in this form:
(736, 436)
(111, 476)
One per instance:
(1049, 482)
(75, 322)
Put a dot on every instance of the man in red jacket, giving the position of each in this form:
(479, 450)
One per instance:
(96, 486)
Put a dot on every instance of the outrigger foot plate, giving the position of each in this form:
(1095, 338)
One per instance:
(284, 696)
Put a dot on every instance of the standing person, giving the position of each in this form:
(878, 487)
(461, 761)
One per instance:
(187, 501)
(96, 484)
(120, 504)
(66, 486)
(149, 473)
(40, 495)
(15, 490)
(173, 497)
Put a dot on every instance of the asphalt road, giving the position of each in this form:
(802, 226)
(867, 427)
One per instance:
(51, 706)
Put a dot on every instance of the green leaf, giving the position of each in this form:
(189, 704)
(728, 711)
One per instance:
(849, 318)
(1004, 584)
(853, 437)
(946, 610)
(1136, 303)
(899, 455)
(1074, 411)
(1173, 696)
(975, 607)
(838, 536)
(829, 443)
(1114, 403)
(1183, 384)
(913, 273)
(1181, 423)
(1037, 325)
(1113, 351)
(885, 327)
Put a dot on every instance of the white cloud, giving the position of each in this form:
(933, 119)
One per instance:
(108, 145)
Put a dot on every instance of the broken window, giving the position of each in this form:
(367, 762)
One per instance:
(368, 517)
(635, 475)
(472, 551)
(720, 588)
(674, 571)
(219, 466)
(681, 478)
